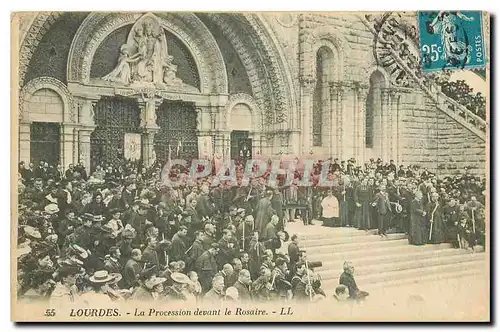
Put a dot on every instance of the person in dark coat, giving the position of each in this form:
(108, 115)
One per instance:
(256, 252)
(204, 205)
(383, 206)
(206, 266)
(264, 213)
(277, 205)
(347, 279)
(451, 216)
(208, 236)
(270, 229)
(436, 217)
(227, 249)
(294, 252)
(132, 269)
(96, 207)
(191, 211)
(178, 249)
(150, 255)
(195, 251)
(362, 200)
(243, 286)
(417, 228)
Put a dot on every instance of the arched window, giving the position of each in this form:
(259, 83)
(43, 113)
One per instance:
(373, 109)
(324, 74)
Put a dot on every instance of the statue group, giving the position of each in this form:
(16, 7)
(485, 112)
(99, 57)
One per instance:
(144, 59)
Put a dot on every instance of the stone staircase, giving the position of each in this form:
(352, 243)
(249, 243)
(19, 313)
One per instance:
(382, 262)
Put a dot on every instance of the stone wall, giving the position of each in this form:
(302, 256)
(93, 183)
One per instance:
(432, 139)
(45, 106)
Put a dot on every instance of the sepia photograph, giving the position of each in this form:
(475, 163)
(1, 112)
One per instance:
(250, 166)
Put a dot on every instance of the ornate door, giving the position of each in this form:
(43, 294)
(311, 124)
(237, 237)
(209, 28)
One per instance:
(177, 122)
(45, 142)
(114, 117)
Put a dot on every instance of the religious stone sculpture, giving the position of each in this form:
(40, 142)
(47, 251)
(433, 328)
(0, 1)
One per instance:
(144, 59)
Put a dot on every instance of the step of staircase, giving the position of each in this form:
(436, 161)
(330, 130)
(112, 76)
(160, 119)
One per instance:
(330, 285)
(382, 262)
(412, 264)
(348, 239)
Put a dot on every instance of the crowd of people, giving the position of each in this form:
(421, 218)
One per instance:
(121, 234)
(461, 92)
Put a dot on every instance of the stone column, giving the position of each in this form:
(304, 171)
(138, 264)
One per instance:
(333, 120)
(384, 125)
(149, 129)
(84, 147)
(362, 94)
(67, 144)
(204, 129)
(25, 142)
(87, 126)
(339, 123)
(307, 85)
(393, 106)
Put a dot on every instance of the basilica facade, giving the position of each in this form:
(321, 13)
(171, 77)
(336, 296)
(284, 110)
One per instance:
(99, 87)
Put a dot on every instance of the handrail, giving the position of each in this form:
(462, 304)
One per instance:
(477, 126)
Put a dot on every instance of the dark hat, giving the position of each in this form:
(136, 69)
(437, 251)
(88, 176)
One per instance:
(115, 210)
(88, 216)
(67, 270)
(98, 218)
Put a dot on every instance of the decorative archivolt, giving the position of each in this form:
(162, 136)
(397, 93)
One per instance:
(325, 36)
(69, 103)
(40, 25)
(375, 68)
(187, 27)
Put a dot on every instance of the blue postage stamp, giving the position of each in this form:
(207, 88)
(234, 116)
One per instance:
(451, 40)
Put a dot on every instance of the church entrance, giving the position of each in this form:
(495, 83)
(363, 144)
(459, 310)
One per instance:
(45, 142)
(177, 122)
(241, 146)
(114, 117)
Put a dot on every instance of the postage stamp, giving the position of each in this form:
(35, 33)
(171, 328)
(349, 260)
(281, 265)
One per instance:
(451, 40)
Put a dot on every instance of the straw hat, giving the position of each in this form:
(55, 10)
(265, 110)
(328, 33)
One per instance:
(180, 278)
(154, 281)
(101, 277)
(32, 232)
(51, 209)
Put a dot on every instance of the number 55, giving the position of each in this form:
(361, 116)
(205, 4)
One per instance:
(50, 312)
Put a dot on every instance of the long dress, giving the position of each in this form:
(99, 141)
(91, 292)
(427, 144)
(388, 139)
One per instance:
(362, 213)
(417, 233)
(438, 231)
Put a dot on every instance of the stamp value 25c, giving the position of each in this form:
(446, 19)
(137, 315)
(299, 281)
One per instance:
(451, 40)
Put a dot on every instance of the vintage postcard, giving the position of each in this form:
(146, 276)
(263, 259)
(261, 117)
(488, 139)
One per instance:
(250, 166)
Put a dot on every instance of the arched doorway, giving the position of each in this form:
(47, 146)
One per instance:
(114, 118)
(177, 122)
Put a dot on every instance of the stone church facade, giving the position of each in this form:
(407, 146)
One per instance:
(211, 84)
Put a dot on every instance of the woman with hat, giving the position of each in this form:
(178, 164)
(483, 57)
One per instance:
(149, 290)
(178, 291)
(101, 292)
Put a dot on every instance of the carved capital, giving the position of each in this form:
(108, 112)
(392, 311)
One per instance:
(308, 83)
(337, 90)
